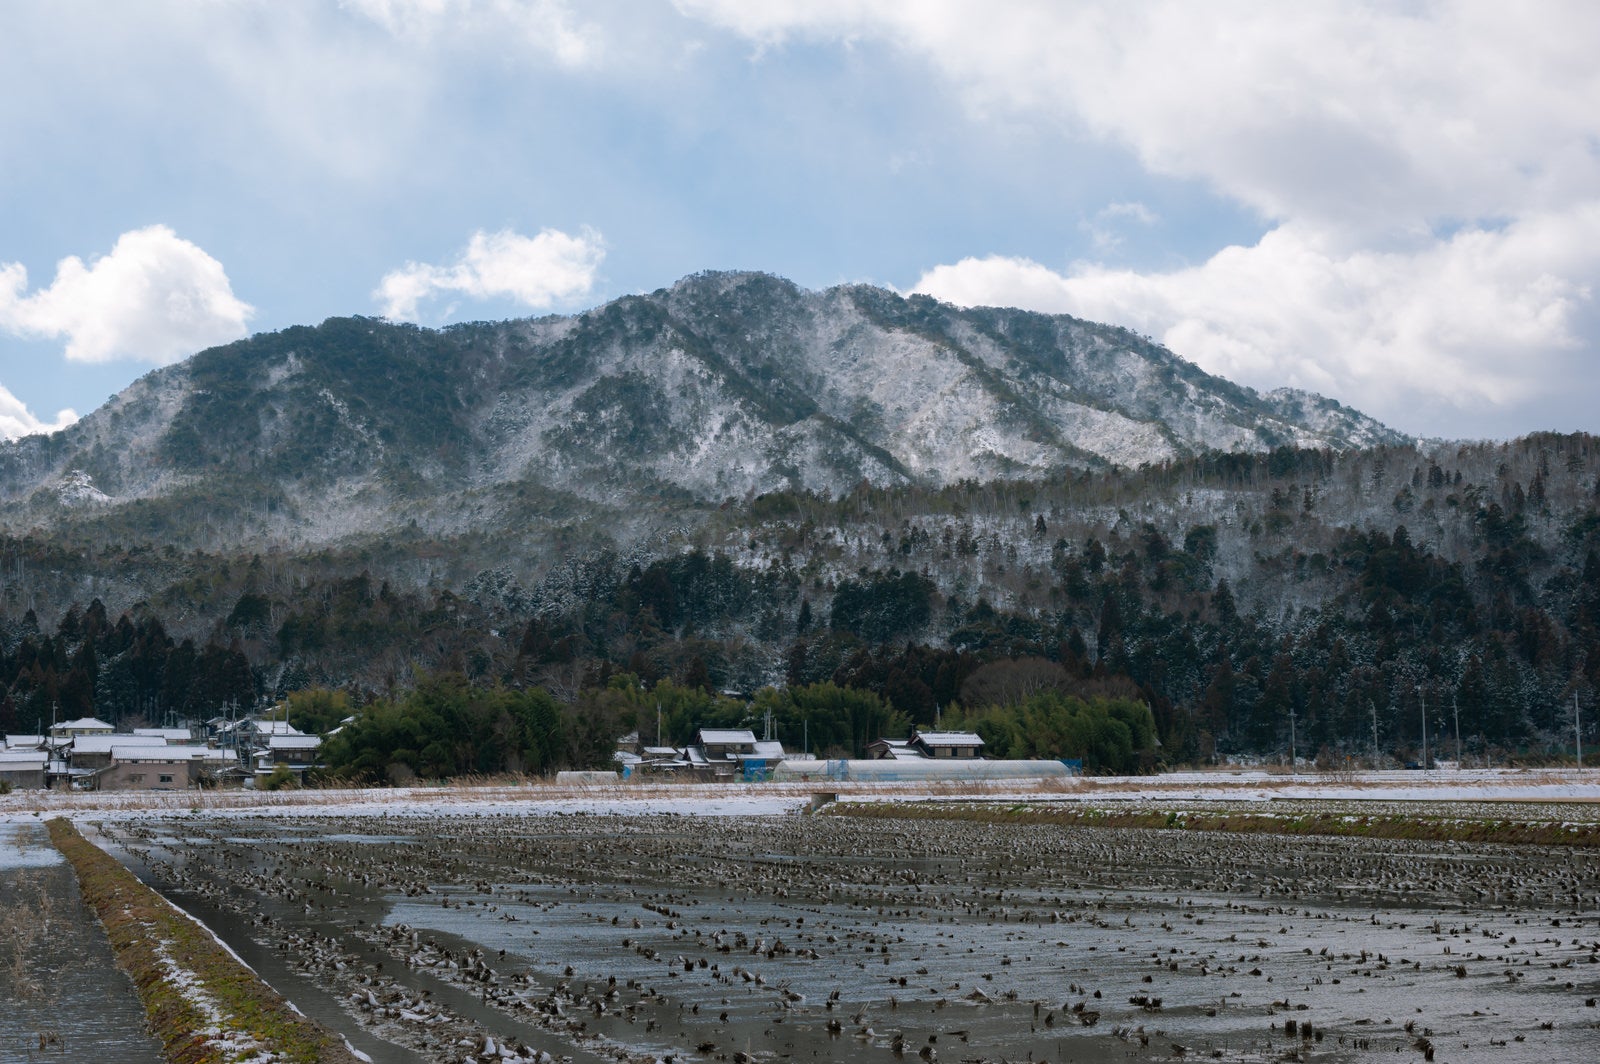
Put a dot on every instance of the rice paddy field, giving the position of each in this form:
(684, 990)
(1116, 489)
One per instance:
(1129, 922)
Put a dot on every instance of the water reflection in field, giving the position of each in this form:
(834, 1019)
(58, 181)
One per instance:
(640, 937)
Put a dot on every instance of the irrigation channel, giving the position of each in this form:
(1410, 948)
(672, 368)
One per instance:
(591, 936)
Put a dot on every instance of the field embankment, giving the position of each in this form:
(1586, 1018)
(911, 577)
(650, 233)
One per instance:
(203, 1003)
(1482, 822)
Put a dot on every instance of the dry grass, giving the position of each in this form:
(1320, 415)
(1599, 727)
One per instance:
(24, 927)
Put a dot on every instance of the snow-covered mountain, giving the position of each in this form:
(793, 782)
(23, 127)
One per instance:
(725, 385)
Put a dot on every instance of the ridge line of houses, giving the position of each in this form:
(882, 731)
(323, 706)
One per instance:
(90, 754)
(735, 754)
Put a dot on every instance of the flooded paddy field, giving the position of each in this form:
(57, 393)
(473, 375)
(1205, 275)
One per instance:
(64, 998)
(645, 937)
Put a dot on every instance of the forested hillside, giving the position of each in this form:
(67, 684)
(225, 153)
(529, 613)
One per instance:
(1355, 594)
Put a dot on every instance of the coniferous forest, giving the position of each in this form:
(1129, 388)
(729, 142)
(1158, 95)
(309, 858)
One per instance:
(1226, 605)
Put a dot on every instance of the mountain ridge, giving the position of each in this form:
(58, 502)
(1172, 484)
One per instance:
(724, 385)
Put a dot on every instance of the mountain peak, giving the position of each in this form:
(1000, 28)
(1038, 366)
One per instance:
(727, 384)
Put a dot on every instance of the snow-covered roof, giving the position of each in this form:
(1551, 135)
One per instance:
(172, 735)
(770, 750)
(173, 753)
(81, 724)
(949, 738)
(274, 727)
(60, 768)
(21, 758)
(906, 752)
(21, 742)
(294, 742)
(726, 736)
(152, 753)
(659, 751)
(103, 744)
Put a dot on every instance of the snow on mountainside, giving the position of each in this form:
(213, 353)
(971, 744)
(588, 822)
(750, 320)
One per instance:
(724, 385)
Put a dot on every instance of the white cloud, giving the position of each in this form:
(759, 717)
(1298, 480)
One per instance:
(1477, 321)
(543, 26)
(17, 420)
(1426, 174)
(155, 298)
(1105, 227)
(539, 272)
(1370, 115)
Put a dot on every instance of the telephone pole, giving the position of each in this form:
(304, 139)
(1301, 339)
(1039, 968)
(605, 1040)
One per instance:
(1292, 758)
(1423, 706)
(1373, 707)
(1455, 712)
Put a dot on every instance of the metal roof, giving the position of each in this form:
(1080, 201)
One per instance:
(102, 744)
(726, 736)
(294, 742)
(81, 724)
(23, 757)
(274, 727)
(949, 738)
(151, 753)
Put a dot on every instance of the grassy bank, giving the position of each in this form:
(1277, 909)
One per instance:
(1416, 827)
(203, 1004)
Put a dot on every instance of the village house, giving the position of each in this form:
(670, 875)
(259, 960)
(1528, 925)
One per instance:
(732, 753)
(82, 726)
(946, 744)
(91, 753)
(149, 768)
(934, 744)
(23, 769)
(297, 752)
(722, 754)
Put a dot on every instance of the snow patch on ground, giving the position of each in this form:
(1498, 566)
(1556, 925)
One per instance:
(774, 799)
(23, 845)
(77, 488)
(233, 1044)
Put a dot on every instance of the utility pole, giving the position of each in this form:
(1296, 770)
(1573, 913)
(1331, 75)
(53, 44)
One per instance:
(1372, 706)
(1455, 712)
(1423, 706)
(1577, 728)
(1292, 758)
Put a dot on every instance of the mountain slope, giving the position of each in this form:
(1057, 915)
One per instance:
(724, 385)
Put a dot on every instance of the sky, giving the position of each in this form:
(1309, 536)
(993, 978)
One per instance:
(1394, 204)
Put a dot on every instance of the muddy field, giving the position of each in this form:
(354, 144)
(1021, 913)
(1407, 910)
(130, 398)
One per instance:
(606, 937)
